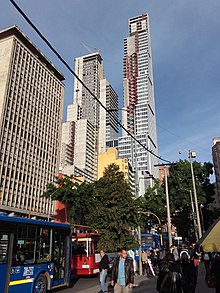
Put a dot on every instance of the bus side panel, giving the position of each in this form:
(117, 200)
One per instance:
(82, 265)
(20, 288)
(23, 277)
(3, 272)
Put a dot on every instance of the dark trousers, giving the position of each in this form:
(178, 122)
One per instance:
(190, 277)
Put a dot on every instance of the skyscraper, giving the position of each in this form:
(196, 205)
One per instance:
(85, 114)
(108, 126)
(139, 115)
(31, 104)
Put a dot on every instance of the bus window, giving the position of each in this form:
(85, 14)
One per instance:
(4, 241)
(24, 246)
(44, 246)
(96, 242)
(79, 247)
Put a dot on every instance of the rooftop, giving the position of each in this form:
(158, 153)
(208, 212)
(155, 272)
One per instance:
(15, 31)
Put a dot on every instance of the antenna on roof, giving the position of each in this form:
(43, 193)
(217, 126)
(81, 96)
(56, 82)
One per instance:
(88, 48)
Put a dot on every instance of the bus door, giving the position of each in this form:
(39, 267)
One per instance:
(6, 241)
(61, 259)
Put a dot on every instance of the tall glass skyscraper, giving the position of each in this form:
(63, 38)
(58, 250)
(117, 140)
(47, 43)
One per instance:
(139, 115)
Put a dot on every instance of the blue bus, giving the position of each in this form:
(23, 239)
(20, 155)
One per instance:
(151, 240)
(35, 256)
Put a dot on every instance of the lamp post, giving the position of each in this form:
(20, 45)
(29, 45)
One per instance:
(159, 221)
(191, 156)
(168, 208)
(194, 219)
(49, 210)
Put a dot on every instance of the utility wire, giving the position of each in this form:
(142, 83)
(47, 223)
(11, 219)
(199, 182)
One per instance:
(181, 138)
(83, 84)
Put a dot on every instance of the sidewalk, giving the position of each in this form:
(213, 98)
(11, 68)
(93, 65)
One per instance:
(137, 281)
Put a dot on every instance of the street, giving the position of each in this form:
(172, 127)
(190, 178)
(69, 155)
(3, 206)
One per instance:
(91, 285)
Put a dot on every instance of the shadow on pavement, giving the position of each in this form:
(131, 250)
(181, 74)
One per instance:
(73, 282)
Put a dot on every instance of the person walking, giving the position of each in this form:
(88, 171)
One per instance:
(103, 269)
(170, 277)
(175, 252)
(144, 258)
(215, 268)
(186, 259)
(122, 277)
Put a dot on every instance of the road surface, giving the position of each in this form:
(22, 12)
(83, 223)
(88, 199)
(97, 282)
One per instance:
(91, 285)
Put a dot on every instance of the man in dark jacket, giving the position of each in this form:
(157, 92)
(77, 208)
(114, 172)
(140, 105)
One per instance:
(122, 273)
(216, 271)
(103, 269)
(188, 268)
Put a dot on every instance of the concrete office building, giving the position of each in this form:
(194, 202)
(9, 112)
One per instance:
(31, 104)
(108, 126)
(67, 144)
(216, 163)
(139, 115)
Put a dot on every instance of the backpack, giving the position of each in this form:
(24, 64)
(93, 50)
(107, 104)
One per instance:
(206, 256)
(185, 257)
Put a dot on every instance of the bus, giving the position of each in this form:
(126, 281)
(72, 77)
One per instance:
(35, 256)
(85, 254)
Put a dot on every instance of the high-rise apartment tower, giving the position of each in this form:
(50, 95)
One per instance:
(31, 104)
(85, 114)
(138, 114)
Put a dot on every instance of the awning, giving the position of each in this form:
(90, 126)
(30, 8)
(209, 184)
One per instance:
(210, 241)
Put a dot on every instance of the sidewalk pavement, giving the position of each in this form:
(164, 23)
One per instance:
(137, 280)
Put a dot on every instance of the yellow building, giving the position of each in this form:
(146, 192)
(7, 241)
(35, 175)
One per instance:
(109, 157)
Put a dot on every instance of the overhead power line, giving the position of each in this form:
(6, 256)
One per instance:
(83, 84)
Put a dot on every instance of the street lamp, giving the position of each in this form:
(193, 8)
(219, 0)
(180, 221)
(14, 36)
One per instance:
(191, 156)
(49, 210)
(159, 221)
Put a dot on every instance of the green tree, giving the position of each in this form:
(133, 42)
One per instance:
(154, 200)
(116, 210)
(78, 199)
(180, 184)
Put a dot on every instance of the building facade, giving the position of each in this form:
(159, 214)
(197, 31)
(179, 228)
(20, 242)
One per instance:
(93, 127)
(108, 126)
(139, 115)
(216, 163)
(31, 104)
(111, 157)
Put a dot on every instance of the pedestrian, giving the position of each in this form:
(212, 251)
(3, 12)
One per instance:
(189, 271)
(151, 261)
(103, 269)
(170, 276)
(162, 254)
(175, 252)
(215, 268)
(144, 258)
(131, 254)
(122, 273)
(207, 258)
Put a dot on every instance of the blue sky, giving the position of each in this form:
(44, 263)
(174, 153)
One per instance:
(186, 57)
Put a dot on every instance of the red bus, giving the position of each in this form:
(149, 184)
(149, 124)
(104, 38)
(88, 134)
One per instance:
(85, 255)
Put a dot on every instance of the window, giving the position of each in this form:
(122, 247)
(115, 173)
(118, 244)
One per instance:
(4, 243)
(44, 246)
(24, 246)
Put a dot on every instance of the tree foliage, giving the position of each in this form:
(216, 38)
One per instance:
(180, 184)
(78, 199)
(116, 211)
